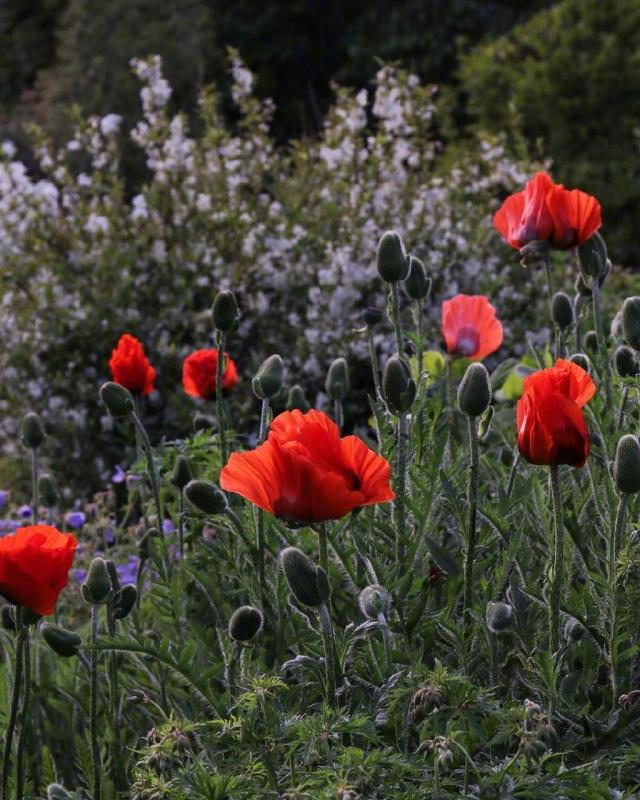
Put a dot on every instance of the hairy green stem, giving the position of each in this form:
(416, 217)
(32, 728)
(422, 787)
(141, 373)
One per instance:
(338, 413)
(96, 782)
(621, 407)
(119, 778)
(329, 654)
(34, 483)
(15, 702)
(401, 485)
(375, 367)
(323, 547)
(419, 334)
(395, 316)
(222, 342)
(24, 715)
(264, 420)
(600, 337)
(386, 637)
(557, 564)
(181, 524)
(612, 581)
(470, 551)
(232, 669)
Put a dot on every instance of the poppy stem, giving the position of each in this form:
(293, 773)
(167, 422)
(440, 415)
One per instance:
(472, 497)
(15, 702)
(375, 366)
(323, 547)
(119, 779)
(557, 564)
(576, 328)
(338, 414)
(401, 485)
(24, 714)
(232, 669)
(621, 408)
(612, 581)
(600, 337)
(93, 708)
(395, 316)
(547, 272)
(419, 334)
(34, 483)
(181, 524)
(329, 654)
(222, 343)
(264, 420)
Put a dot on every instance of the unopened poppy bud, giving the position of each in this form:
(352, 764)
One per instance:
(33, 434)
(116, 399)
(47, 491)
(626, 465)
(582, 360)
(57, 792)
(202, 423)
(392, 260)
(297, 399)
(63, 642)
(474, 392)
(592, 256)
(308, 583)
(337, 382)
(267, 382)
(113, 575)
(631, 321)
(181, 474)
(225, 311)
(30, 617)
(7, 618)
(398, 387)
(573, 630)
(245, 623)
(97, 588)
(126, 601)
(417, 285)
(206, 497)
(374, 600)
(582, 287)
(499, 617)
(591, 341)
(625, 361)
(562, 310)
(372, 317)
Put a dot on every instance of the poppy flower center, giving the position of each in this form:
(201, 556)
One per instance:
(467, 341)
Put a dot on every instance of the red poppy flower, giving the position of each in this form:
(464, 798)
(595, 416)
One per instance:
(34, 566)
(470, 326)
(130, 367)
(199, 374)
(546, 211)
(549, 417)
(306, 473)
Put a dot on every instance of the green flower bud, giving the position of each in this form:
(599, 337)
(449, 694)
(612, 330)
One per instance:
(297, 399)
(631, 321)
(206, 497)
(113, 575)
(33, 434)
(47, 491)
(337, 382)
(57, 792)
(371, 317)
(116, 399)
(63, 642)
(499, 617)
(181, 474)
(573, 630)
(592, 256)
(7, 618)
(374, 600)
(626, 465)
(582, 287)
(392, 260)
(398, 387)
(308, 583)
(474, 392)
(126, 601)
(245, 623)
(582, 360)
(417, 285)
(225, 311)
(625, 361)
(562, 310)
(267, 382)
(97, 588)
(202, 423)
(591, 341)
(30, 617)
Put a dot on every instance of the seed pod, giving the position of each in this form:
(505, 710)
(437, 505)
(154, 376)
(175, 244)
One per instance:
(371, 317)
(499, 618)
(562, 310)
(33, 434)
(392, 260)
(591, 341)
(206, 497)
(181, 474)
(417, 285)
(631, 321)
(63, 642)
(625, 361)
(398, 387)
(245, 623)
(116, 399)
(582, 360)
(225, 311)
(97, 589)
(47, 491)
(337, 382)
(126, 601)
(308, 583)
(267, 382)
(474, 392)
(592, 256)
(297, 399)
(374, 600)
(626, 465)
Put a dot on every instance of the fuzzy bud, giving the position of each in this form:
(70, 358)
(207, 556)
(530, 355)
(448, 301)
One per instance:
(392, 260)
(625, 361)
(626, 465)
(562, 310)
(308, 583)
(499, 618)
(474, 392)
(202, 423)
(97, 588)
(267, 382)
(297, 399)
(417, 285)
(245, 623)
(47, 491)
(631, 321)
(113, 575)
(33, 434)
(57, 792)
(206, 497)
(225, 311)
(374, 600)
(592, 256)
(573, 630)
(63, 642)
(181, 474)
(126, 601)
(398, 387)
(337, 382)
(372, 317)
(582, 287)
(582, 360)
(116, 399)
(591, 341)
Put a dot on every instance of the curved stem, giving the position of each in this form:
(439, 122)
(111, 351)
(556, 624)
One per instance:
(15, 702)
(395, 317)
(472, 496)
(264, 420)
(34, 482)
(557, 565)
(222, 341)
(401, 484)
(24, 715)
(329, 654)
(612, 580)
(93, 708)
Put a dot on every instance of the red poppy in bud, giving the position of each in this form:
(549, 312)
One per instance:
(549, 417)
(130, 367)
(305, 472)
(546, 211)
(470, 326)
(34, 566)
(199, 374)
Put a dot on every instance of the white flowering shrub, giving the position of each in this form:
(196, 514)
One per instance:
(293, 230)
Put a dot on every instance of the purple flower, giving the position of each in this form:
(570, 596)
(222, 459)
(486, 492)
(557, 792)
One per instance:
(76, 519)
(109, 535)
(167, 526)
(128, 572)
(80, 575)
(25, 511)
(3, 498)
(119, 475)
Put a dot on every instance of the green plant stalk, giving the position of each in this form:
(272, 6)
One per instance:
(612, 582)
(264, 420)
(181, 524)
(622, 406)
(386, 637)
(338, 413)
(323, 547)
(222, 343)
(395, 314)
(419, 334)
(375, 366)
(513, 470)
(259, 514)
(119, 779)
(470, 552)
(329, 654)
(547, 272)
(600, 337)
(576, 327)
(15, 702)
(232, 669)
(34, 483)
(557, 564)
(24, 715)
(401, 484)
(96, 777)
